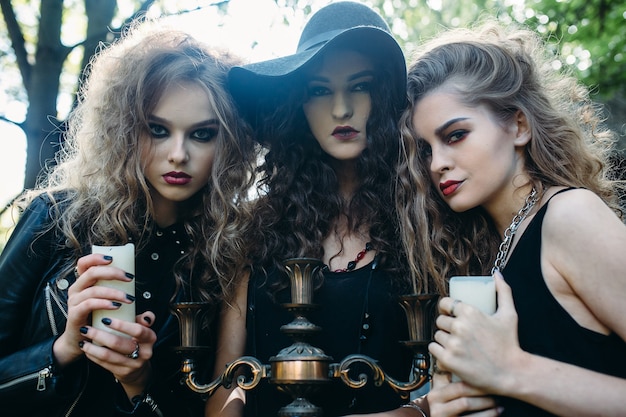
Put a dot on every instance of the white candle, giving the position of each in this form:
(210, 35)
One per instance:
(478, 291)
(123, 258)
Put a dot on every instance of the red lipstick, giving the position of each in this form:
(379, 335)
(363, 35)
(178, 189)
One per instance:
(345, 132)
(449, 187)
(177, 178)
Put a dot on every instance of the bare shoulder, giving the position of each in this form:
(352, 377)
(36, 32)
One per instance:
(579, 208)
(582, 259)
(579, 229)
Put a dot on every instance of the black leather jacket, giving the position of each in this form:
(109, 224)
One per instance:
(33, 297)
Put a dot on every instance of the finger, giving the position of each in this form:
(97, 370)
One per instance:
(450, 307)
(113, 360)
(445, 303)
(137, 331)
(122, 344)
(80, 305)
(87, 261)
(442, 338)
(483, 406)
(146, 318)
(91, 276)
(441, 378)
(503, 292)
(444, 322)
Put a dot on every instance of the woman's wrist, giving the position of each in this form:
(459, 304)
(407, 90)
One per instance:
(415, 407)
(63, 353)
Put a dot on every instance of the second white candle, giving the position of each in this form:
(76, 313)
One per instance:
(478, 291)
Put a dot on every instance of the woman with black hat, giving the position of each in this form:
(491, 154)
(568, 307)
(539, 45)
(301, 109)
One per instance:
(328, 117)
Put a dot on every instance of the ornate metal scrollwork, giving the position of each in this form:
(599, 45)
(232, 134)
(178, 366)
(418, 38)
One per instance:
(300, 369)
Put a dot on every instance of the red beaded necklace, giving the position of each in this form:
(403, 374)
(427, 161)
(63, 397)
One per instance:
(359, 256)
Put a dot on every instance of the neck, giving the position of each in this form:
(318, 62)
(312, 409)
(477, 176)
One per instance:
(505, 209)
(165, 212)
(347, 178)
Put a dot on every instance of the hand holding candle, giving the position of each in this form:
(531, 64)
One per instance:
(123, 258)
(477, 291)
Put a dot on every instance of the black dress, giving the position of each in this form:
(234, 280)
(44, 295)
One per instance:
(343, 301)
(545, 328)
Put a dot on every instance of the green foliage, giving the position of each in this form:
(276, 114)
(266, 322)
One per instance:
(592, 38)
(589, 35)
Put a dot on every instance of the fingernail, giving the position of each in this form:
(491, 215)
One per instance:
(83, 330)
(130, 297)
(81, 344)
(129, 275)
(148, 320)
(108, 257)
(106, 321)
(116, 304)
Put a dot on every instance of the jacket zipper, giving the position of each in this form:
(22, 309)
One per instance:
(51, 295)
(80, 394)
(40, 376)
(53, 325)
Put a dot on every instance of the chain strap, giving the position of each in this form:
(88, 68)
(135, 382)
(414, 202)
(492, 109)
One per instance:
(503, 250)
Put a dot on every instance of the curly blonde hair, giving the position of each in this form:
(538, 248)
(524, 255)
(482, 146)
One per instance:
(98, 189)
(506, 69)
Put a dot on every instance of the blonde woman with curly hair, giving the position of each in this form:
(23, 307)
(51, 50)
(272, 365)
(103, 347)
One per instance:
(155, 155)
(505, 171)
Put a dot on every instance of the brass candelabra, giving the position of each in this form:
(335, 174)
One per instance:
(301, 368)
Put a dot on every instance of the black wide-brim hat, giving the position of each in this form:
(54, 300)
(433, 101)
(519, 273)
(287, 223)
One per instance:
(347, 23)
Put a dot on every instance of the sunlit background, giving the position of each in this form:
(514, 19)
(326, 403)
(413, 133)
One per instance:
(262, 29)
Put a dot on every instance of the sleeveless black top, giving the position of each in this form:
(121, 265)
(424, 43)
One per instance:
(342, 302)
(545, 328)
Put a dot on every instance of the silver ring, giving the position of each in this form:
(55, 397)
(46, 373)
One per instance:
(135, 353)
(438, 371)
(454, 303)
(76, 274)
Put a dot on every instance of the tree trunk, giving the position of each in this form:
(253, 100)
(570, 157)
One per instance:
(40, 126)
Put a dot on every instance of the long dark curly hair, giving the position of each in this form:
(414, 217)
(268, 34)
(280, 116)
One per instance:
(299, 190)
(98, 189)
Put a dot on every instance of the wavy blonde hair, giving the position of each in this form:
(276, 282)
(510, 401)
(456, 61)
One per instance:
(98, 189)
(508, 70)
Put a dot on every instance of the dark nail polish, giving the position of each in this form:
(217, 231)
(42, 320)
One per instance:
(130, 297)
(148, 320)
(81, 344)
(83, 330)
(106, 321)
(116, 304)
(108, 257)
(129, 275)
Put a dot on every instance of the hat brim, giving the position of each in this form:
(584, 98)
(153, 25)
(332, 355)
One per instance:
(249, 82)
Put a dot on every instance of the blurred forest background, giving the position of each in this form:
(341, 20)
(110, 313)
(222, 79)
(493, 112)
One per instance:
(41, 69)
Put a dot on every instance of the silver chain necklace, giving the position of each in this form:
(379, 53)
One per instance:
(503, 250)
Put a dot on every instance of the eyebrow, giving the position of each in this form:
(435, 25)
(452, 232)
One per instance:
(360, 74)
(447, 124)
(153, 118)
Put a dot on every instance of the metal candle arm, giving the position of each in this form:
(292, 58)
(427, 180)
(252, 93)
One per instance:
(258, 371)
(300, 368)
(419, 374)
